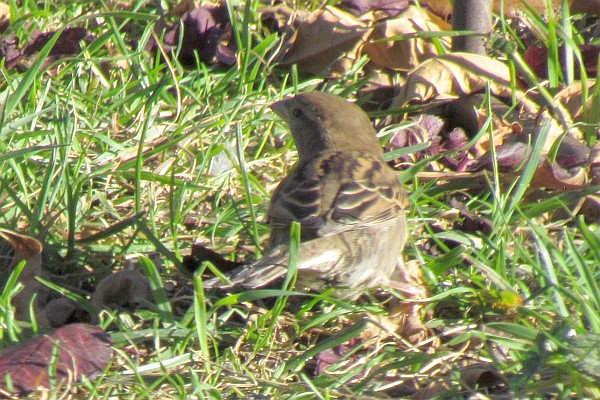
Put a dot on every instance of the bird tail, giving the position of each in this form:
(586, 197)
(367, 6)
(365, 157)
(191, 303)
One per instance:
(261, 273)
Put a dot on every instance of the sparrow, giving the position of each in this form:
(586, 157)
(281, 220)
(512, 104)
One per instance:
(348, 201)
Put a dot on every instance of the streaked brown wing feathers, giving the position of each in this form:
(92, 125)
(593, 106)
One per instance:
(358, 189)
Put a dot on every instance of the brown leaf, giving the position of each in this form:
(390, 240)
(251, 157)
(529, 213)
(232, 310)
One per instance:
(425, 128)
(455, 75)
(509, 156)
(571, 97)
(591, 209)
(471, 223)
(537, 58)
(326, 42)
(390, 8)
(66, 45)
(330, 40)
(443, 8)
(201, 254)
(405, 54)
(594, 161)
(550, 175)
(585, 7)
(511, 7)
(182, 7)
(457, 139)
(572, 153)
(84, 351)
(333, 355)
(4, 16)
(28, 249)
(204, 29)
(24, 248)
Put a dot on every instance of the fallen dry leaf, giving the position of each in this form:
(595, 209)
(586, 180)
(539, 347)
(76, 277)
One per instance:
(510, 157)
(330, 40)
(389, 8)
(571, 97)
(455, 75)
(28, 249)
(512, 7)
(469, 222)
(537, 58)
(405, 316)
(326, 42)
(68, 44)
(201, 253)
(573, 153)
(205, 31)
(404, 54)
(24, 248)
(595, 164)
(585, 7)
(451, 129)
(590, 209)
(334, 355)
(182, 7)
(4, 16)
(84, 350)
(550, 175)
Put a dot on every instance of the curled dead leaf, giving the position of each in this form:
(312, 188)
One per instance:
(420, 129)
(550, 175)
(201, 253)
(388, 8)
(510, 157)
(28, 249)
(326, 42)
(595, 164)
(330, 40)
(206, 32)
(405, 54)
(4, 16)
(68, 44)
(572, 96)
(182, 7)
(24, 248)
(590, 209)
(455, 75)
(537, 58)
(512, 7)
(572, 153)
(83, 350)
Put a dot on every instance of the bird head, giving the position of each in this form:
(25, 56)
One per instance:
(322, 123)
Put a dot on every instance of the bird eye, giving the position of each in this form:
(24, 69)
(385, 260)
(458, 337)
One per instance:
(297, 113)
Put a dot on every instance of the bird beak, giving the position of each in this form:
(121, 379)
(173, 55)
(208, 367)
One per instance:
(280, 108)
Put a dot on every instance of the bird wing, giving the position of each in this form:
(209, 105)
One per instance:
(334, 193)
